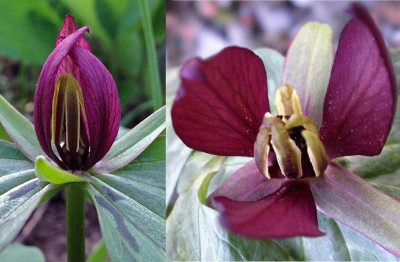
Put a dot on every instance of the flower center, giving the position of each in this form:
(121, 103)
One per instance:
(68, 122)
(289, 141)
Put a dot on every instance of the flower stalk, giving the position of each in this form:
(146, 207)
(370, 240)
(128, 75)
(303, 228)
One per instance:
(75, 223)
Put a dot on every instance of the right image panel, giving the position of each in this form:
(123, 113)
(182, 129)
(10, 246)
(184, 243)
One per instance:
(283, 141)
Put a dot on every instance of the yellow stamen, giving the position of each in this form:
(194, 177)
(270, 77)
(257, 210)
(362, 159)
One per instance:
(287, 101)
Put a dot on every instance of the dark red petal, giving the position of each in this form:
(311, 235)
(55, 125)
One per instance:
(288, 212)
(68, 28)
(68, 66)
(361, 97)
(102, 104)
(45, 91)
(248, 184)
(221, 102)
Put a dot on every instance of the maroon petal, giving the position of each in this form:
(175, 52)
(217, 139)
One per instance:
(45, 91)
(68, 66)
(221, 102)
(288, 212)
(102, 104)
(248, 184)
(68, 28)
(361, 97)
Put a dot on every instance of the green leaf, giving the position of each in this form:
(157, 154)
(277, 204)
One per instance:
(18, 252)
(308, 67)
(20, 191)
(177, 152)
(50, 173)
(131, 206)
(99, 253)
(273, 62)
(22, 34)
(20, 130)
(385, 166)
(16, 205)
(129, 50)
(128, 147)
(3, 134)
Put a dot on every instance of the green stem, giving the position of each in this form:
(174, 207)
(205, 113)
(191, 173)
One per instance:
(154, 77)
(75, 223)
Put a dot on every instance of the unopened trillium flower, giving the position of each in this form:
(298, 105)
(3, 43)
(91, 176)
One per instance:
(222, 108)
(77, 110)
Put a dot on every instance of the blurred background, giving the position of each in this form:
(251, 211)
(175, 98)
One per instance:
(28, 30)
(203, 28)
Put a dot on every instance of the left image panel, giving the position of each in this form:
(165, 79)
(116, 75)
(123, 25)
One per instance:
(82, 130)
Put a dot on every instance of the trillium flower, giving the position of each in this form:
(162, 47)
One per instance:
(222, 108)
(77, 110)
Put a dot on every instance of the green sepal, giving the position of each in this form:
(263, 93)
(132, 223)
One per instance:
(47, 172)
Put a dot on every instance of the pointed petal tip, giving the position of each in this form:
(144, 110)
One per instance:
(360, 104)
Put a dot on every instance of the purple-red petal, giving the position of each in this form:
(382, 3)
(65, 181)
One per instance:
(45, 91)
(102, 104)
(288, 212)
(248, 184)
(361, 97)
(68, 66)
(221, 102)
(68, 28)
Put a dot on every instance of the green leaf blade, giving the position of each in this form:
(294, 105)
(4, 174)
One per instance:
(131, 206)
(47, 172)
(128, 147)
(20, 130)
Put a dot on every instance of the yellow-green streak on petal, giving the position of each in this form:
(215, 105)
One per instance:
(316, 152)
(66, 112)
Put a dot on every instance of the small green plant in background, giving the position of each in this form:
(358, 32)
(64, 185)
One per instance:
(131, 45)
(127, 185)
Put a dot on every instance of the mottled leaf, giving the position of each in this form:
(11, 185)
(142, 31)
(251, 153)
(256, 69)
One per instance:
(20, 130)
(20, 191)
(131, 206)
(128, 147)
